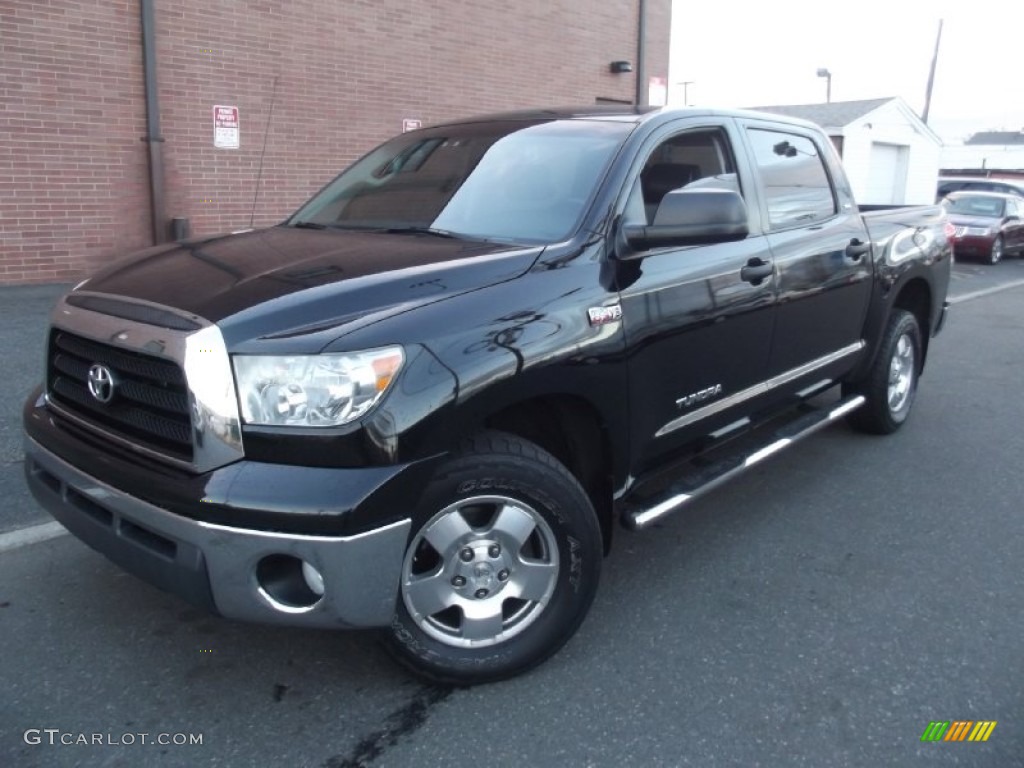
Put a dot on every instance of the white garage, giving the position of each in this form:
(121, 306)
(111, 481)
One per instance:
(890, 155)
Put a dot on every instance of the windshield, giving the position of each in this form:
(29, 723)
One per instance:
(515, 181)
(975, 205)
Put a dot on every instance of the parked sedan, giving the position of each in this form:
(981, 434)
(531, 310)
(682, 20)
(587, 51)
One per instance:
(987, 224)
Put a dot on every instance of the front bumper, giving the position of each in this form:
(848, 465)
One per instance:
(252, 575)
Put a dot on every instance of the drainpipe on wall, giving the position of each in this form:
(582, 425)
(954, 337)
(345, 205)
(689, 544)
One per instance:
(153, 139)
(641, 54)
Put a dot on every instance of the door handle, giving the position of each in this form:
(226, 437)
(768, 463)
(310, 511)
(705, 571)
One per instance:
(756, 271)
(856, 249)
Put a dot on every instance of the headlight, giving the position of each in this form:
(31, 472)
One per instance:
(313, 390)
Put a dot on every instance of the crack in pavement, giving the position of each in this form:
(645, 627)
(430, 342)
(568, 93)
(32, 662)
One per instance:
(401, 723)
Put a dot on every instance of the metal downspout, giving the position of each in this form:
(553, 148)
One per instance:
(641, 55)
(153, 139)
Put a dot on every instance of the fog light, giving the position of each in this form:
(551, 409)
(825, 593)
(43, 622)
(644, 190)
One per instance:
(288, 583)
(314, 579)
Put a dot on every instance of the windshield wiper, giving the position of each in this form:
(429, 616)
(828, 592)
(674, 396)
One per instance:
(308, 225)
(421, 231)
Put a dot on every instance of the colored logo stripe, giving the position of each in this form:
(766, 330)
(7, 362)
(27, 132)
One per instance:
(934, 731)
(958, 730)
(982, 730)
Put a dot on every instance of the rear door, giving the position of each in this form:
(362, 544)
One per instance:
(821, 252)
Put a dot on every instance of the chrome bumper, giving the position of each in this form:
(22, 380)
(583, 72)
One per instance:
(242, 574)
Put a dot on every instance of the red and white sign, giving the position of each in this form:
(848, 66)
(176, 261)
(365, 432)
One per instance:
(411, 124)
(657, 91)
(225, 127)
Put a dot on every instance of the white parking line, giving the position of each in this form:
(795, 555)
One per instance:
(31, 535)
(985, 292)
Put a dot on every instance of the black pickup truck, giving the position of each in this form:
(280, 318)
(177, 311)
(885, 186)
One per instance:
(424, 401)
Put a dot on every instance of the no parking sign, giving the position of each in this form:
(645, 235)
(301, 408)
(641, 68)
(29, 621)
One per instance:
(225, 127)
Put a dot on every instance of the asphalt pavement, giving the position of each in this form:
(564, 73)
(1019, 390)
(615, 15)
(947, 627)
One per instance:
(819, 611)
(24, 316)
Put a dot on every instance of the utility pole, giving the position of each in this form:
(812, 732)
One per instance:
(931, 77)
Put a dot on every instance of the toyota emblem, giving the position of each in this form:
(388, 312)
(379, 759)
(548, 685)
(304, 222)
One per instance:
(101, 383)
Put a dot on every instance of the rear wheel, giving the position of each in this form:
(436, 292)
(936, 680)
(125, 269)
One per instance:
(891, 384)
(501, 567)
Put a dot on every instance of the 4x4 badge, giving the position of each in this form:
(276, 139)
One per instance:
(604, 315)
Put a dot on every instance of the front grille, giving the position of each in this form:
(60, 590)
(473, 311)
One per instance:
(959, 231)
(150, 405)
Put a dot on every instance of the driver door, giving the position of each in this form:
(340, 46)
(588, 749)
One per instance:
(698, 334)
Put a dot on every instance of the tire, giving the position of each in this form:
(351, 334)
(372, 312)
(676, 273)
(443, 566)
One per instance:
(996, 254)
(891, 384)
(500, 568)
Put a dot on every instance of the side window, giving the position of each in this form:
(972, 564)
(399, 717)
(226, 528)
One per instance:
(698, 159)
(796, 186)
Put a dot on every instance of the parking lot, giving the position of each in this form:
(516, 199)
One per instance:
(819, 611)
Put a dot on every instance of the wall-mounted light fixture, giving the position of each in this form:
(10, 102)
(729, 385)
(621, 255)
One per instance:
(621, 67)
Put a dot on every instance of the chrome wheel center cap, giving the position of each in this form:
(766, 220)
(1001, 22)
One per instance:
(483, 576)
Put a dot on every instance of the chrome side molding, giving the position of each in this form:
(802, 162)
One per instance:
(759, 389)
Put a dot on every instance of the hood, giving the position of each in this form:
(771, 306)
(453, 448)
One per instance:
(285, 281)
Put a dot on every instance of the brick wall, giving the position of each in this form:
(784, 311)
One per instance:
(73, 183)
(73, 178)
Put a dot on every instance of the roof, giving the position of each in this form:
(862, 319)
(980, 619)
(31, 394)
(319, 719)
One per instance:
(604, 112)
(997, 137)
(627, 112)
(834, 114)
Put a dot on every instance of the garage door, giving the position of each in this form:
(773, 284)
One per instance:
(887, 176)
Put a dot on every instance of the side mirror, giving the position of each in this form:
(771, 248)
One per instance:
(690, 217)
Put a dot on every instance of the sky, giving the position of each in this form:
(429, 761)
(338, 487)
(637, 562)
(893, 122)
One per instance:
(746, 53)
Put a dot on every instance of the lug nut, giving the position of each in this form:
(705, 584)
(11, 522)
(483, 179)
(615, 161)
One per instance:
(503, 574)
(459, 581)
(480, 594)
(494, 550)
(466, 554)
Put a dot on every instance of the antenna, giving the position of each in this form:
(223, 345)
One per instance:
(931, 77)
(266, 133)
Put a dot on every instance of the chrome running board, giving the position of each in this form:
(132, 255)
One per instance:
(701, 480)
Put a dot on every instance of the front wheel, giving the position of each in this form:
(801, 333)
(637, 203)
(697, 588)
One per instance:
(996, 254)
(501, 567)
(891, 384)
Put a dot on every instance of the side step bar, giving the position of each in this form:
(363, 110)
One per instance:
(701, 481)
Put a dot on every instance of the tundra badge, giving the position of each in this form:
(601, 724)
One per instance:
(699, 396)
